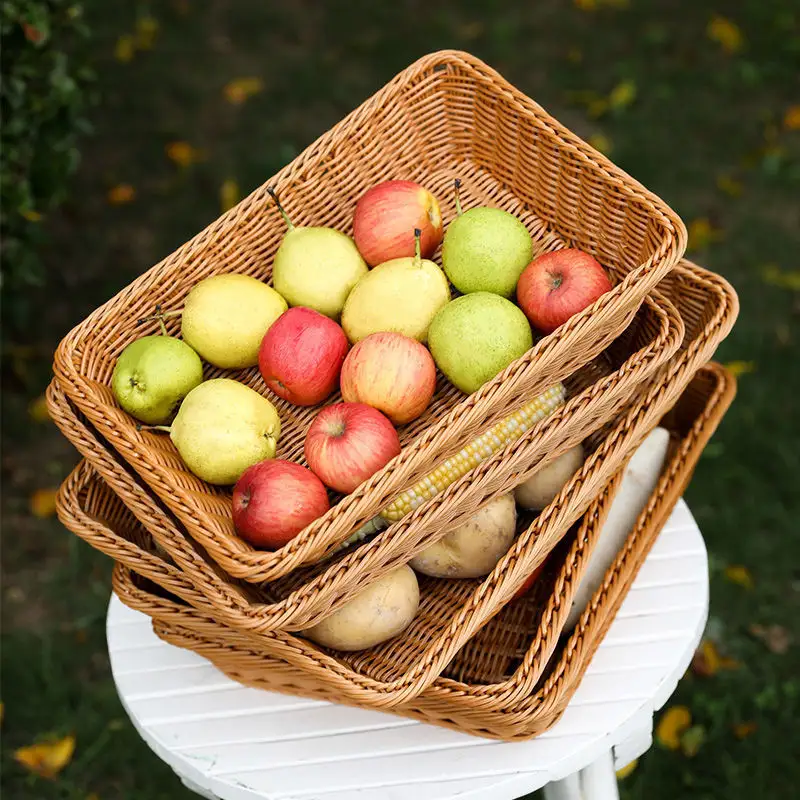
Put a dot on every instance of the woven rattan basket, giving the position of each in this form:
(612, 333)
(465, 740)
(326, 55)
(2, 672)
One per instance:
(509, 153)
(451, 611)
(517, 689)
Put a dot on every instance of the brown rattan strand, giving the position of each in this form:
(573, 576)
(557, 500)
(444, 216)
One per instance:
(509, 153)
(708, 307)
(520, 707)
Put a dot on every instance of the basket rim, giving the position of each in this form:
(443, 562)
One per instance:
(524, 374)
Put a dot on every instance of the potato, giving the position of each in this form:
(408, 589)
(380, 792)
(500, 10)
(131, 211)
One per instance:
(382, 610)
(473, 548)
(543, 486)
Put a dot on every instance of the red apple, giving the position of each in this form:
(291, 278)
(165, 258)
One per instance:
(348, 442)
(557, 285)
(529, 581)
(385, 219)
(274, 500)
(301, 356)
(390, 372)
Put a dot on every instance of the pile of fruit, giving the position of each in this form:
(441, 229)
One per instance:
(373, 317)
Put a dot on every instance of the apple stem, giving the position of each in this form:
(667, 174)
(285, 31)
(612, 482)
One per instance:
(285, 216)
(417, 247)
(164, 428)
(456, 187)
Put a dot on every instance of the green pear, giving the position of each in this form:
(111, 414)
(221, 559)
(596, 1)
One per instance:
(402, 295)
(222, 428)
(316, 267)
(226, 316)
(476, 336)
(153, 374)
(485, 250)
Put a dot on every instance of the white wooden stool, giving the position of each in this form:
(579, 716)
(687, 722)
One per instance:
(231, 742)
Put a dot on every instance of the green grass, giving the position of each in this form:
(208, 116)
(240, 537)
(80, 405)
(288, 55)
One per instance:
(698, 113)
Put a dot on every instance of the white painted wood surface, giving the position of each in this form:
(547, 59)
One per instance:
(228, 741)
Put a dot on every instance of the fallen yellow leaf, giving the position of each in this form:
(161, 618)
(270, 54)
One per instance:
(31, 215)
(729, 185)
(42, 503)
(93, 796)
(597, 108)
(725, 33)
(37, 409)
(674, 722)
(586, 5)
(702, 233)
(791, 119)
(601, 142)
(774, 276)
(737, 368)
(47, 758)
(240, 89)
(182, 153)
(627, 769)
(692, 740)
(229, 194)
(707, 661)
(124, 49)
(622, 95)
(574, 55)
(121, 195)
(776, 638)
(146, 32)
(744, 729)
(2, 712)
(739, 575)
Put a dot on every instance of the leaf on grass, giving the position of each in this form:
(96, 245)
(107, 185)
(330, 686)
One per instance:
(229, 194)
(702, 233)
(692, 740)
(601, 142)
(586, 5)
(2, 711)
(121, 194)
(674, 722)
(31, 215)
(574, 55)
(729, 185)
(42, 503)
(183, 154)
(775, 637)
(47, 758)
(741, 730)
(725, 33)
(124, 49)
(774, 276)
(37, 409)
(791, 119)
(622, 95)
(737, 368)
(736, 573)
(707, 661)
(240, 89)
(93, 796)
(596, 108)
(146, 32)
(627, 769)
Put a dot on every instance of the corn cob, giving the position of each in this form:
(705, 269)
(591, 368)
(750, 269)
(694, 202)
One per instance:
(481, 448)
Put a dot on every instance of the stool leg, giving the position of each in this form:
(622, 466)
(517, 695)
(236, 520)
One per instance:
(567, 789)
(598, 780)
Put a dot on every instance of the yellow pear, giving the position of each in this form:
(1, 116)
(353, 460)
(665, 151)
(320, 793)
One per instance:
(402, 295)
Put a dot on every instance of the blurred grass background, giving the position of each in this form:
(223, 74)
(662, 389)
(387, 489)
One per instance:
(194, 104)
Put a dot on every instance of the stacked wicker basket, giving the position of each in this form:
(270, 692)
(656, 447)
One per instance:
(474, 658)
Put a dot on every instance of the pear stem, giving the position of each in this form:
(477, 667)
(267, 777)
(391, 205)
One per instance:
(417, 247)
(456, 187)
(286, 218)
(165, 428)
(161, 316)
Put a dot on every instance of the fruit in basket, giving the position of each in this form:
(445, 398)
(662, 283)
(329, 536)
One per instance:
(315, 266)
(472, 549)
(402, 295)
(557, 285)
(274, 500)
(476, 336)
(390, 372)
(222, 428)
(225, 318)
(301, 356)
(485, 250)
(529, 581)
(348, 442)
(380, 611)
(545, 484)
(385, 218)
(153, 374)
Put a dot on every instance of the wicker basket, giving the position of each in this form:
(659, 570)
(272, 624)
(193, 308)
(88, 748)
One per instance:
(509, 153)
(517, 688)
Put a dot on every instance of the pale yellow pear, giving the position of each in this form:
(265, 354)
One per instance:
(222, 428)
(402, 295)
